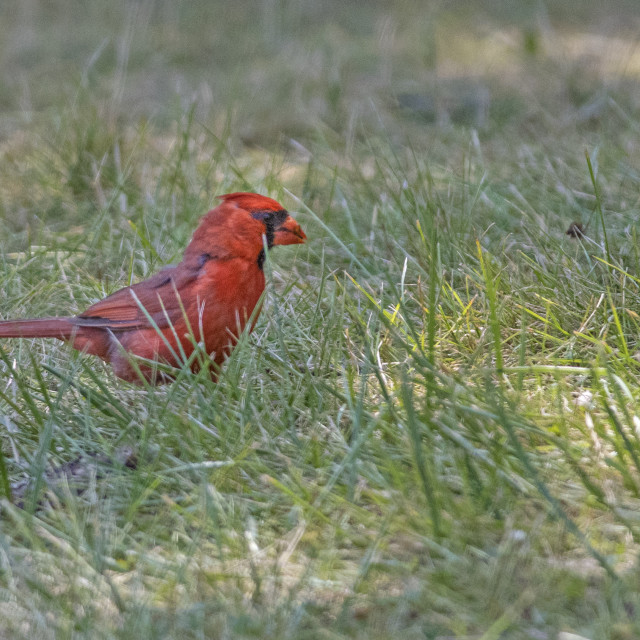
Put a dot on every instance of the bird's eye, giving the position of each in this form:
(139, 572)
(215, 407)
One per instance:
(270, 218)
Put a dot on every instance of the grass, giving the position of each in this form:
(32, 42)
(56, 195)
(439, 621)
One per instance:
(433, 430)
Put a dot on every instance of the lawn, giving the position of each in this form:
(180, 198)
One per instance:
(434, 430)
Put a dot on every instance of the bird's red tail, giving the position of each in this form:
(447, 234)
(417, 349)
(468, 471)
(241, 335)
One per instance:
(61, 328)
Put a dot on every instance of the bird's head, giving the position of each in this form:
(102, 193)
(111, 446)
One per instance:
(279, 226)
(237, 226)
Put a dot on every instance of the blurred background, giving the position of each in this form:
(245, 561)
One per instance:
(95, 97)
(271, 70)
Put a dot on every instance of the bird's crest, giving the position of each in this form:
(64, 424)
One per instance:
(252, 202)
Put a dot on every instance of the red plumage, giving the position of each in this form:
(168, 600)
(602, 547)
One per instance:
(210, 295)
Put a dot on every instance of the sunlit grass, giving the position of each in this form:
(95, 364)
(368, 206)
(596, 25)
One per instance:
(432, 431)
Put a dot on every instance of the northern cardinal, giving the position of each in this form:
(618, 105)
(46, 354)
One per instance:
(208, 297)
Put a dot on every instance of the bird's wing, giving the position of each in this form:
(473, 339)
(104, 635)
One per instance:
(123, 310)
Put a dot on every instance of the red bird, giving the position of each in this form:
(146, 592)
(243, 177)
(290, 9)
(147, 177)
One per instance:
(209, 296)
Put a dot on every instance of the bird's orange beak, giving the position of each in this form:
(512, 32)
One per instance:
(289, 232)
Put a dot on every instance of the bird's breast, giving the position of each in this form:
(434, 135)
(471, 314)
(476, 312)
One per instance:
(228, 292)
